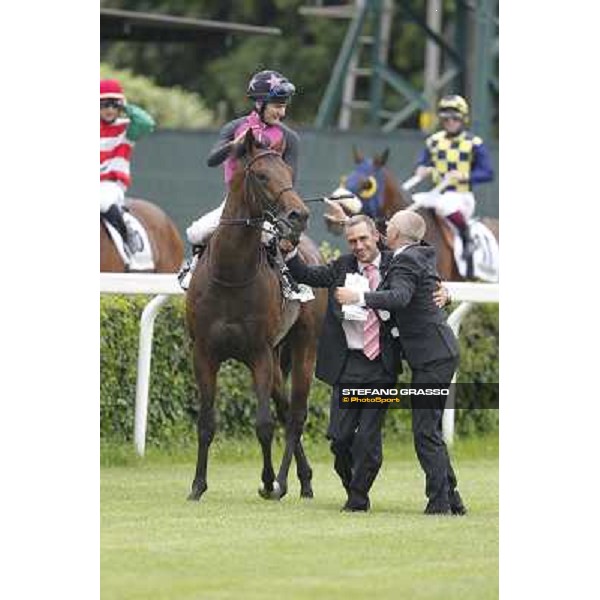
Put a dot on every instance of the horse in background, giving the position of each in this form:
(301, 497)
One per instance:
(235, 309)
(165, 242)
(381, 196)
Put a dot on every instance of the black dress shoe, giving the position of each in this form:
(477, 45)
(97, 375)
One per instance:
(456, 504)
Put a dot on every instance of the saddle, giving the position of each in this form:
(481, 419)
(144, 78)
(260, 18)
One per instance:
(141, 258)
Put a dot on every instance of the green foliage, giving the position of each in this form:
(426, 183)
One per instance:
(173, 107)
(173, 405)
(328, 253)
(479, 332)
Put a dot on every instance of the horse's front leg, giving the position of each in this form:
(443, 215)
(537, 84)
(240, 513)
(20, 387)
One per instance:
(303, 361)
(262, 375)
(206, 378)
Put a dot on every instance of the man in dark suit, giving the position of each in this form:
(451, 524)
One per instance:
(354, 352)
(428, 345)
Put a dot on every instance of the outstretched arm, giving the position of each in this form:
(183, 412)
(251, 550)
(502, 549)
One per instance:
(319, 276)
(424, 164)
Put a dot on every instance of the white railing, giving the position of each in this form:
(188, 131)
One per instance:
(164, 285)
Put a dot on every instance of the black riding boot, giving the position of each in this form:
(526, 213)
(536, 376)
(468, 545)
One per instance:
(467, 241)
(115, 217)
(185, 273)
(198, 249)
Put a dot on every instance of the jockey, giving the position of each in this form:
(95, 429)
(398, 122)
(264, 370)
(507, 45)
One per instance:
(460, 157)
(117, 137)
(271, 93)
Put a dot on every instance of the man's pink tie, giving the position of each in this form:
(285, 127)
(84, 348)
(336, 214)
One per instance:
(371, 332)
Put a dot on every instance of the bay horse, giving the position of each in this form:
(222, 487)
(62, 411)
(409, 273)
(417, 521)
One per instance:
(235, 310)
(376, 186)
(167, 245)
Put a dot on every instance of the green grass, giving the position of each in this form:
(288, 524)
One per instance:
(233, 544)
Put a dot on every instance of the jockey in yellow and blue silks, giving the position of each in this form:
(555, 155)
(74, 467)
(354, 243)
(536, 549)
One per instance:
(455, 154)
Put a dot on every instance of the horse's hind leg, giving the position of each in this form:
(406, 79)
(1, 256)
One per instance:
(282, 406)
(262, 374)
(206, 377)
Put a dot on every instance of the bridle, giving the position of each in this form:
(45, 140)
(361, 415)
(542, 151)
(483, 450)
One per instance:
(258, 194)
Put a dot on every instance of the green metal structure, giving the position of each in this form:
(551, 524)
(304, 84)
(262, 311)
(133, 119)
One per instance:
(463, 35)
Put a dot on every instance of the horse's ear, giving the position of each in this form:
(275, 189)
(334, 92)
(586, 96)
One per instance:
(246, 147)
(249, 142)
(358, 156)
(381, 159)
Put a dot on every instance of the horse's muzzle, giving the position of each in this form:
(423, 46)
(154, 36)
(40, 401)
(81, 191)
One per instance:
(298, 221)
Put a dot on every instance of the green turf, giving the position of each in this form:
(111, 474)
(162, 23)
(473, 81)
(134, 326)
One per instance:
(233, 544)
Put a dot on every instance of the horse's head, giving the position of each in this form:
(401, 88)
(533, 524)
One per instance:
(269, 188)
(367, 181)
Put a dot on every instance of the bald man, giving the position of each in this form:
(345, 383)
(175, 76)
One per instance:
(428, 345)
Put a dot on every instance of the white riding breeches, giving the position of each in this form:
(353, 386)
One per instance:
(200, 231)
(111, 193)
(447, 203)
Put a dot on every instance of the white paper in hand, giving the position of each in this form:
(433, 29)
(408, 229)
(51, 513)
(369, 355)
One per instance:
(357, 283)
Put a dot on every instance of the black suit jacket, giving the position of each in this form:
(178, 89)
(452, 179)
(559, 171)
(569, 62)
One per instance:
(407, 292)
(333, 349)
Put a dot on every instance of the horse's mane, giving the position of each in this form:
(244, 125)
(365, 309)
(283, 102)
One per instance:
(394, 197)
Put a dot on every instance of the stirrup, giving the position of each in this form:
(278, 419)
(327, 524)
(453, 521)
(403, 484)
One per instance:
(183, 275)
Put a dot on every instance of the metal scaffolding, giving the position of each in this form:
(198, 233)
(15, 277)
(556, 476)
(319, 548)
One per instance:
(461, 51)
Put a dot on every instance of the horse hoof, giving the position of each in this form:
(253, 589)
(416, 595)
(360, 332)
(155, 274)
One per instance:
(196, 492)
(308, 493)
(281, 489)
(274, 494)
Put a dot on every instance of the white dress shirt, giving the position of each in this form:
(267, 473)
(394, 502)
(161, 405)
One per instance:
(354, 330)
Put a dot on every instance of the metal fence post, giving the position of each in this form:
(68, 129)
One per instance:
(143, 372)
(454, 320)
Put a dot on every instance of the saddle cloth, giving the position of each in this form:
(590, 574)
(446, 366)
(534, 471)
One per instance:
(485, 252)
(142, 259)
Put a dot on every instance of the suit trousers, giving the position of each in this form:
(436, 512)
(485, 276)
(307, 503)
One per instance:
(354, 431)
(440, 480)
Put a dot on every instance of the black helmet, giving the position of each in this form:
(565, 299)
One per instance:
(270, 86)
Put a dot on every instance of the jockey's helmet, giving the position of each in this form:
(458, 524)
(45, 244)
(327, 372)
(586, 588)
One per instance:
(111, 88)
(270, 86)
(452, 106)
